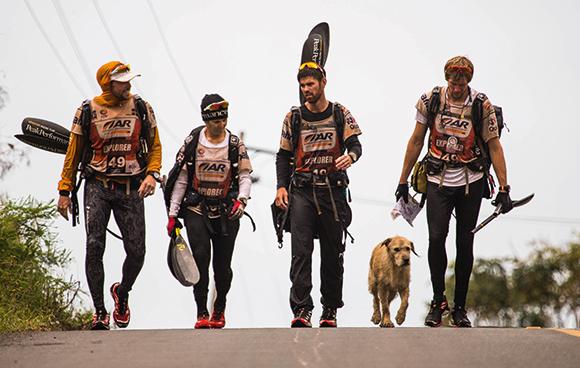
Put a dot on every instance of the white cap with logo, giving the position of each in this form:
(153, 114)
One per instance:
(123, 73)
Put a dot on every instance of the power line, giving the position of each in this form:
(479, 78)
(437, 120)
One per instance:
(122, 56)
(74, 44)
(54, 50)
(108, 30)
(171, 58)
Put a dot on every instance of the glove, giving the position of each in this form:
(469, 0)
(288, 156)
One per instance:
(237, 210)
(504, 199)
(402, 191)
(173, 223)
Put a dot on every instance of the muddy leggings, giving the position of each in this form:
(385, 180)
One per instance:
(129, 214)
(440, 204)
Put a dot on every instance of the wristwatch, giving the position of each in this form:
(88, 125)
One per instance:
(156, 176)
(243, 200)
(505, 188)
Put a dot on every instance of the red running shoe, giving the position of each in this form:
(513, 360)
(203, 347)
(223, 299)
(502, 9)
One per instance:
(302, 318)
(217, 320)
(121, 314)
(100, 320)
(202, 321)
(328, 317)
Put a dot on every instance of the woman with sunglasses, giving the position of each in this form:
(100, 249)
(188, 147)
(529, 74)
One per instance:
(209, 187)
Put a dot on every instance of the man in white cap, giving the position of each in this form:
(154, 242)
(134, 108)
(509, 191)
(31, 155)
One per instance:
(115, 139)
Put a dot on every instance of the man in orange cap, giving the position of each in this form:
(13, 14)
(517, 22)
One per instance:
(114, 138)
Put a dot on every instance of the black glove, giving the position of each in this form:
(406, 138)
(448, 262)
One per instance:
(504, 199)
(402, 191)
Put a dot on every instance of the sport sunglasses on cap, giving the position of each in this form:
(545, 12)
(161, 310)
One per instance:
(121, 68)
(312, 65)
(221, 105)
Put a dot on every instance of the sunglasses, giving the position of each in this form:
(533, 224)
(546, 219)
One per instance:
(312, 65)
(121, 68)
(217, 106)
(459, 68)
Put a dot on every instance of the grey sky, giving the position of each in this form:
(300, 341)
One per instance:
(383, 55)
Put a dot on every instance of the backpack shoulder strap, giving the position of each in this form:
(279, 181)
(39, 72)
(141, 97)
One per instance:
(433, 105)
(188, 156)
(189, 152)
(86, 118)
(338, 116)
(477, 112)
(295, 126)
(233, 156)
(143, 115)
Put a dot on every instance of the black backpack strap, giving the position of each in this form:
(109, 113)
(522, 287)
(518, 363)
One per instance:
(477, 112)
(86, 118)
(234, 156)
(143, 114)
(338, 116)
(433, 106)
(188, 157)
(295, 122)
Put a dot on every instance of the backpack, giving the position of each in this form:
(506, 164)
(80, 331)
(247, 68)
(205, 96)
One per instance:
(189, 155)
(87, 154)
(477, 120)
(145, 138)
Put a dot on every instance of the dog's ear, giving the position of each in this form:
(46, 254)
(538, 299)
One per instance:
(386, 242)
(413, 249)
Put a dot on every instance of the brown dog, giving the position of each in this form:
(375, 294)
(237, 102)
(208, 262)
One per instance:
(389, 274)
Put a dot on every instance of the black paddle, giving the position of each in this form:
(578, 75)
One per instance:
(497, 212)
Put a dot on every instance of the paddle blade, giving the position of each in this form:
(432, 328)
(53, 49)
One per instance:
(45, 129)
(42, 143)
(181, 262)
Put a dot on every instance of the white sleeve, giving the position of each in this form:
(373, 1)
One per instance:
(178, 192)
(421, 118)
(245, 184)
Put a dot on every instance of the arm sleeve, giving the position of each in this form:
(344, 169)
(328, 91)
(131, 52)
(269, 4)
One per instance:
(154, 159)
(283, 169)
(245, 184)
(178, 192)
(354, 146)
(71, 162)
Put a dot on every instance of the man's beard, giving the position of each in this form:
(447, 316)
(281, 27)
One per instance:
(126, 94)
(314, 98)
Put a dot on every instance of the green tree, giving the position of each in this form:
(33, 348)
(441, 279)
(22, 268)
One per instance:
(540, 290)
(34, 294)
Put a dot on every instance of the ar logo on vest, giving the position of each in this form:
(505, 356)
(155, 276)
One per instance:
(116, 128)
(115, 124)
(213, 167)
(319, 137)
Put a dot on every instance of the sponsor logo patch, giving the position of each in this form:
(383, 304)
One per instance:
(116, 128)
(450, 125)
(317, 140)
(212, 171)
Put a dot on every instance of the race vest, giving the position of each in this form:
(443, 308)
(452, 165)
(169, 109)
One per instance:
(318, 147)
(452, 137)
(212, 173)
(114, 134)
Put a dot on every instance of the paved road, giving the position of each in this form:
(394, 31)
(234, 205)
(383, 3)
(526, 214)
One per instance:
(343, 347)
